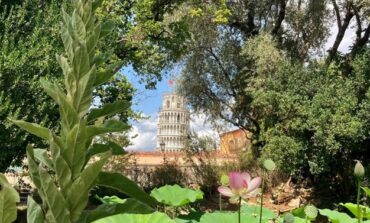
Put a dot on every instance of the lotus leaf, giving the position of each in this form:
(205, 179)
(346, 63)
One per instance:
(228, 217)
(337, 217)
(254, 210)
(156, 217)
(353, 209)
(176, 196)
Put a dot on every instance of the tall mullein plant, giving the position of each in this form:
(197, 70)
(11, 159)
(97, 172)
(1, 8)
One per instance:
(64, 175)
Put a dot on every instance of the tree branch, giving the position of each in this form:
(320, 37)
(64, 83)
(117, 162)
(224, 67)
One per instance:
(224, 71)
(358, 22)
(281, 17)
(362, 41)
(337, 14)
(341, 31)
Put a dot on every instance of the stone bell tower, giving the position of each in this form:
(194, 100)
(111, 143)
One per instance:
(173, 126)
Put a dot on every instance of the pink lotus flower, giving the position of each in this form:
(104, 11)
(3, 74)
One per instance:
(241, 185)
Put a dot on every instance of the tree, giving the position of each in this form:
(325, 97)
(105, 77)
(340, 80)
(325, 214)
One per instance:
(261, 67)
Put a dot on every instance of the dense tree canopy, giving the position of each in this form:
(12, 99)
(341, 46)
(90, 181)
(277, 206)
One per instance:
(262, 66)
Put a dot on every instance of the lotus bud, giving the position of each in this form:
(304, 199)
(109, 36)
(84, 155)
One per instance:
(359, 171)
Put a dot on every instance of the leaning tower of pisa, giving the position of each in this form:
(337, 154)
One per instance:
(173, 126)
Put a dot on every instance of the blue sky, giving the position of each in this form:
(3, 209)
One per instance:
(148, 102)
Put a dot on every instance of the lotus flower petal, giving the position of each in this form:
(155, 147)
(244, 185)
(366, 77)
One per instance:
(254, 184)
(225, 191)
(247, 177)
(236, 181)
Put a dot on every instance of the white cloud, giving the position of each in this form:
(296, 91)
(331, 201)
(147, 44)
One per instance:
(199, 124)
(145, 132)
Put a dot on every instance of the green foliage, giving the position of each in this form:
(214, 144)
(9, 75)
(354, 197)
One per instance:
(226, 217)
(307, 114)
(124, 185)
(65, 177)
(254, 210)
(168, 173)
(8, 199)
(311, 212)
(337, 217)
(364, 211)
(366, 190)
(29, 39)
(113, 207)
(156, 217)
(288, 218)
(176, 196)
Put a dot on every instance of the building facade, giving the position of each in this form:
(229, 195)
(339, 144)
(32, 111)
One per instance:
(234, 142)
(173, 126)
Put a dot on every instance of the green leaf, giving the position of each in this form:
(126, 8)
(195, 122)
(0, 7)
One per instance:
(364, 211)
(337, 217)
(107, 110)
(96, 4)
(68, 114)
(102, 148)
(366, 190)
(34, 211)
(311, 212)
(109, 126)
(156, 217)
(288, 218)
(58, 211)
(8, 199)
(110, 199)
(299, 212)
(193, 217)
(82, 185)
(254, 210)
(42, 156)
(227, 217)
(106, 28)
(176, 196)
(124, 185)
(33, 128)
(103, 76)
(127, 206)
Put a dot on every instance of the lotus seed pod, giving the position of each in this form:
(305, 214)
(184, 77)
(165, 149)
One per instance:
(224, 180)
(311, 211)
(359, 171)
(288, 218)
(269, 165)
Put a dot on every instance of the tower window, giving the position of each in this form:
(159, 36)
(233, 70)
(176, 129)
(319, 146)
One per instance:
(167, 104)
